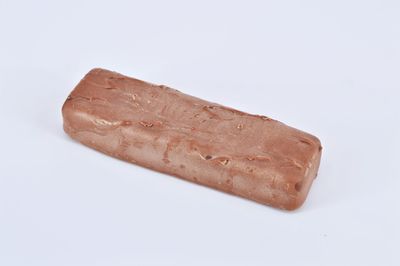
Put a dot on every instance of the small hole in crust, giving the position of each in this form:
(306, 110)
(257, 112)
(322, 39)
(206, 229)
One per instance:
(298, 186)
(224, 161)
(208, 157)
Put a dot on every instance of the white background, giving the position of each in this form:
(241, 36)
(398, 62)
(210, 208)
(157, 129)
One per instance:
(331, 68)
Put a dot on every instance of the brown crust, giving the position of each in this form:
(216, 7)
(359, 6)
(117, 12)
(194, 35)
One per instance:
(160, 128)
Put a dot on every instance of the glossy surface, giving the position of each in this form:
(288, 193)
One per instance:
(251, 156)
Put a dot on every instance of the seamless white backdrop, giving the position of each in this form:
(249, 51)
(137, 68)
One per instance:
(331, 68)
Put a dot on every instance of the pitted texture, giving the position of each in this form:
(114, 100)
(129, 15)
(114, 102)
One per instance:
(163, 129)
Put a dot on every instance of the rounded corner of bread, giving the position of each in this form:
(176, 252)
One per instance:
(296, 203)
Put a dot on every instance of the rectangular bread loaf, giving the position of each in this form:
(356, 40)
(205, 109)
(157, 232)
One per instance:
(160, 128)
